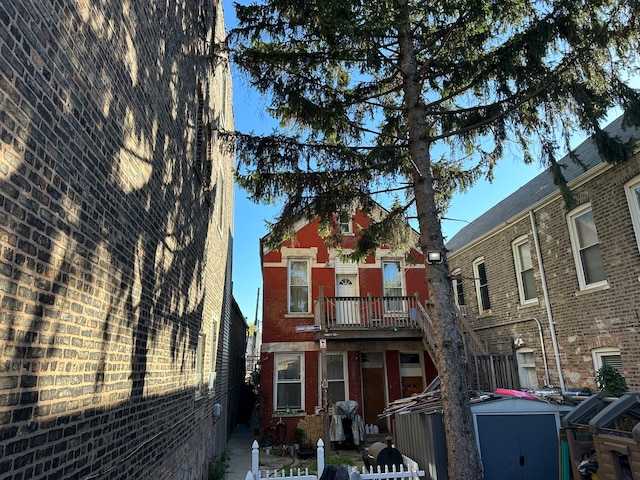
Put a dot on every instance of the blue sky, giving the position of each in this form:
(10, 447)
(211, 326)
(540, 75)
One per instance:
(250, 115)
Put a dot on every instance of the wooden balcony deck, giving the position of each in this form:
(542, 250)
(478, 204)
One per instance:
(369, 317)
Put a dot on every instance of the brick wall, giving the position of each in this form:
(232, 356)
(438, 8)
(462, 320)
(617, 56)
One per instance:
(113, 257)
(584, 320)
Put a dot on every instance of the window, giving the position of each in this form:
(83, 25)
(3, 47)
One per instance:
(392, 285)
(482, 287)
(609, 356)
(289, 381)
(200, 365)
(632, 190)
(458, 292)
(202, 157)
(220, 195)
(524, 270)
(345, 224)
(586, 248)
(337, 385)
(527, 368)
(299, 286)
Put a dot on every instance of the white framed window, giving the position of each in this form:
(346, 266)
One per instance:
(586, 248)
(458, 291)
(345, 223)
(632, 190)
(337, 389)
(392, 285)
(524, 270)
(200, 381)
(609, 356)
(527, 368)
(482, 286)
(289, 381)
(299, 291)
(220, 187)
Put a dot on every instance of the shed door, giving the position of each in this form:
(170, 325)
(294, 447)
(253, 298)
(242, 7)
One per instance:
(518, 447)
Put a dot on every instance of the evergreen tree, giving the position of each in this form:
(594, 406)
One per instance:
(424, 97)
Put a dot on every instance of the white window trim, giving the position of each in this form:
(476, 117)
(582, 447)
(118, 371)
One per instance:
(275, 380)
(517, 261)
(345, 372)
(200, 384)
(350, 230)
(401, 266)
(308, 261)
(598, 353)
(575, 248)
(220, 187)
(634, 209)
(476, 275)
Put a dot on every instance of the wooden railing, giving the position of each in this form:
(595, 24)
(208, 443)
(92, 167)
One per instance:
(406, 312)
(344, 313)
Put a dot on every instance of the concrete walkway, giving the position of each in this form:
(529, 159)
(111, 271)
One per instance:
(239, 449)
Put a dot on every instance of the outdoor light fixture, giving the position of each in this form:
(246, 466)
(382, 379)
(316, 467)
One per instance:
(434, 256)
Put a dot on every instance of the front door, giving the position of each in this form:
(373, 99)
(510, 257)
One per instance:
(347, 303)
(373, 388)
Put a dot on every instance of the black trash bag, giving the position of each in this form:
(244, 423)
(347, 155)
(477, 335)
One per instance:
(331, 472)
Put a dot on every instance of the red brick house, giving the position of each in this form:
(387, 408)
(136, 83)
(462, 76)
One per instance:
(362, 324)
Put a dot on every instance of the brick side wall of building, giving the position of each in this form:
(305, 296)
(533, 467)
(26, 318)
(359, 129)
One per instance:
(584, 320)
(114, 258)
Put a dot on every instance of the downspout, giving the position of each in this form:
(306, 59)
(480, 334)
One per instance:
(544, 352)
(547, 302)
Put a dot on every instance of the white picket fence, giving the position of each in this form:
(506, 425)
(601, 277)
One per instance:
(408, 471)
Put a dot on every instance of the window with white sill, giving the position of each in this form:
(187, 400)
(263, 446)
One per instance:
(289, 381)
(524, 270)
(586, 248)
(632, 190)
(458, 291)
(299, 291)
(482, 286)
(392, 285)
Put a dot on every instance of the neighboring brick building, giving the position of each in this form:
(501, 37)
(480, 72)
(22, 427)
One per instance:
(116, 210)
(556, 285)
(368, 314)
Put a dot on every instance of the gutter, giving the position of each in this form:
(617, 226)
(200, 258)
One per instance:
(547, 301)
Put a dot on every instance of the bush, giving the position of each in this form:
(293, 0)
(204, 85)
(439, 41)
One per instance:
(219, 466)
(609, 380)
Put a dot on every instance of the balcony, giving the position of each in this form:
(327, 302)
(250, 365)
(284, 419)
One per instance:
(369, 317)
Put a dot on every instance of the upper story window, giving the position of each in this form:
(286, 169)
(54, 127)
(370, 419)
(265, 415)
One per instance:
(482, 286)
(345, 223)
(298, 272)
(524, 270)
(586, 248)
(220, 193)
(632, 190)
(458, 292)
(289, 381)
(392, 284)
(202, 156)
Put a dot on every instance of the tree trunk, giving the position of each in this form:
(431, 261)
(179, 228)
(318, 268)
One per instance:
(464, 459)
